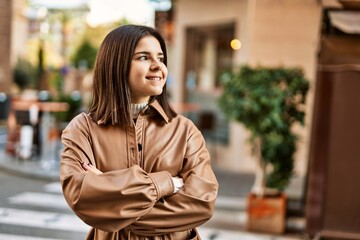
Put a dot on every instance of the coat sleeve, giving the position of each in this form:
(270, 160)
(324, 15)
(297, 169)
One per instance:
(194, 203)
(110, 201)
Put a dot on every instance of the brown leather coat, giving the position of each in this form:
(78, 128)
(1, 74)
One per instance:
(133, 197)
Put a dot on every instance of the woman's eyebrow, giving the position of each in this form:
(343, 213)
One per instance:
(148, 53)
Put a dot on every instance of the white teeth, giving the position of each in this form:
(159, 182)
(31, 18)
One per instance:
(153, 78)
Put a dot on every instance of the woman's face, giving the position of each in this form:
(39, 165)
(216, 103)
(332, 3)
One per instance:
(148, 72)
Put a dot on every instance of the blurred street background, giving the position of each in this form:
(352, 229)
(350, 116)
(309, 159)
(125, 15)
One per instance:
(48, 50)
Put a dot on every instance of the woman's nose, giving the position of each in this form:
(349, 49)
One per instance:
(156, 65)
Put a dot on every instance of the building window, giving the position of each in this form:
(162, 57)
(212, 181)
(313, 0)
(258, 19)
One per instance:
(208, 55)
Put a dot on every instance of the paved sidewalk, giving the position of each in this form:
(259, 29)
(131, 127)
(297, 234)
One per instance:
(29, 168)
(228, 222)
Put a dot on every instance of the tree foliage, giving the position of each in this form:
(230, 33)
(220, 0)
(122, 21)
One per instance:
(268, 101)
(24, 74)
(85, 55)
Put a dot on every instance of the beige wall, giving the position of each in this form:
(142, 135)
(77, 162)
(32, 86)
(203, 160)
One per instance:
(272, 32)
(19, 30)
(191, 13)
(203, 13)
(286, 33)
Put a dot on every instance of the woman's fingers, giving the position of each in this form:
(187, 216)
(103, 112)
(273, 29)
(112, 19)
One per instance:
(90, 168)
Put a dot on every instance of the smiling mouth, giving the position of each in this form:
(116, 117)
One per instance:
(154, 78)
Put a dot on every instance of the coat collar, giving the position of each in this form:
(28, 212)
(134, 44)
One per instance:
(156, 105)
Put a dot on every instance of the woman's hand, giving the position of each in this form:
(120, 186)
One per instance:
(90, 168)
(178, 183)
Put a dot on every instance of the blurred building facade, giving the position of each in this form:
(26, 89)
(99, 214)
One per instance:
(286, 33)
(271, 33)
(13, 37)
(332, 205)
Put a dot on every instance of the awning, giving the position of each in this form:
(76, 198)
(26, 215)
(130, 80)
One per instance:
(346, 21)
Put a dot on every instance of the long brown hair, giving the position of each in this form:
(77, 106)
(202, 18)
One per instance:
(111, 91)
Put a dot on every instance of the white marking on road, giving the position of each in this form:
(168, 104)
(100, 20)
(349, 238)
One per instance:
(229, 216)
(215, 234)
(47, 220)
(235, 203)
(39, 199)
(54, 187)
(20, 237)
(3, 138)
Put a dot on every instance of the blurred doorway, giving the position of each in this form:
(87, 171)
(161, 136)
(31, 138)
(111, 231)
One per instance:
(208, 55)
(333, 197)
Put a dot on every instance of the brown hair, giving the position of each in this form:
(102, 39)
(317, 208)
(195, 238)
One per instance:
(111, 91)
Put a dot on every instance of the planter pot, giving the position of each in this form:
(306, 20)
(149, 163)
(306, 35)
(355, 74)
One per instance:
(266, 213)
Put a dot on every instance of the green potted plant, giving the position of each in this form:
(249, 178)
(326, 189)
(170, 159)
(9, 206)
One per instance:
(268, 102)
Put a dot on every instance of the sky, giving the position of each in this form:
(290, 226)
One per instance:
(138, 11)
(103, 11)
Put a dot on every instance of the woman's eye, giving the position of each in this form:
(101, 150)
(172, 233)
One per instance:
(161, 59)
(143, 58)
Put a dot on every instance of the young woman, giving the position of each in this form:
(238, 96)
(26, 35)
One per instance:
(132, 168)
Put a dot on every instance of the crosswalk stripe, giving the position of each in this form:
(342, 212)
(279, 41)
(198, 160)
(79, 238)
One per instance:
(226, 216)
(3, 138)
(19, 237)
(46, 220)
(54, 187)
(216, 234)
(39, 199)
(237, 203)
